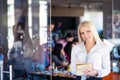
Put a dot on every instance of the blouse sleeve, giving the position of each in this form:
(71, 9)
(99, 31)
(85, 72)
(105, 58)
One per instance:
(105, 70)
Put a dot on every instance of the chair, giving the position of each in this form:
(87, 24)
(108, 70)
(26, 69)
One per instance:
(6, 72)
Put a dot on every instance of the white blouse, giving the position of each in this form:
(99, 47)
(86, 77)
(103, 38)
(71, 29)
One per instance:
(99, 56)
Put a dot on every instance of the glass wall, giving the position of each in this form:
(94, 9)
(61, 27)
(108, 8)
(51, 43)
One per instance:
(43, 15)
(116, 36)
(25, 27)
(27, 23)
(11, 22)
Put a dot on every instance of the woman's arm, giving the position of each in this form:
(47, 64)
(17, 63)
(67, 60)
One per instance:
(73, 61)
(105, 63)
(56, 60)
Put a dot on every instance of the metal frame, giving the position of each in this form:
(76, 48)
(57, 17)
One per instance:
(7, 72)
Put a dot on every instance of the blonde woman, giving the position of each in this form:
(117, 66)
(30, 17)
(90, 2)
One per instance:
(90, 50)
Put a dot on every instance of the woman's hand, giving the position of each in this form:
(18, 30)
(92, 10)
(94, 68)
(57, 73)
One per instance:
(91, 72)
(64, 63)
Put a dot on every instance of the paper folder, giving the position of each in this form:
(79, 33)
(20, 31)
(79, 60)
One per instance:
(81, 67)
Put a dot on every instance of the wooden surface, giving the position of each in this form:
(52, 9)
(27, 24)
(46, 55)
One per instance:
(54, 75)
(111, 76)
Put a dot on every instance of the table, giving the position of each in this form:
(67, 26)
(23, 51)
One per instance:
(54, 76)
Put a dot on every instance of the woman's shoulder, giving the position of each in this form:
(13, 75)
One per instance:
(102, 46)
(80, 45)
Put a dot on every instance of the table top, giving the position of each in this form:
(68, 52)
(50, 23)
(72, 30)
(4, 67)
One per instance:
(52, 74)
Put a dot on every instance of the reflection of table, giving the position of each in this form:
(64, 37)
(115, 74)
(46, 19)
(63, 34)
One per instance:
(55, 76)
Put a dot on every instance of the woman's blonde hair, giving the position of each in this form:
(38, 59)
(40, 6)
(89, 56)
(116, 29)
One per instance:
(90, 25)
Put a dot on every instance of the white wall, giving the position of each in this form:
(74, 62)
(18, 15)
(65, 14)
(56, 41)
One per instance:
(96, 17)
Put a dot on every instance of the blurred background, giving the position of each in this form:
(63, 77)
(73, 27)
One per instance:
(24, 27)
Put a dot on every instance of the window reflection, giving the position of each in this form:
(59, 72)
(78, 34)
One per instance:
(25, 47)
(42, 21)
(11, 22)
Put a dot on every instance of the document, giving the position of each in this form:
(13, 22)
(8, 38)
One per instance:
(81, 67)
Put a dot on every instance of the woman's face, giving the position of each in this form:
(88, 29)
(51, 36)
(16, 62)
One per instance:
(86, 34)
(70, 39)
(51, 27)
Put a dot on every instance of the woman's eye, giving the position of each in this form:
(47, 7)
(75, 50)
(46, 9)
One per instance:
(82, 33)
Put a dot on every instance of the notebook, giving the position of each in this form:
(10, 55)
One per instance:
(80, 68)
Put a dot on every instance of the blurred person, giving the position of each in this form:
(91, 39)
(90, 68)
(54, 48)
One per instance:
(16, 54)
(50, 36)
(21, 53)
(50, 45)
(75, 41)
(18, 32)
(68, 49)
(68, 37)
(92, 50)
(58, 29)
(58, 57)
